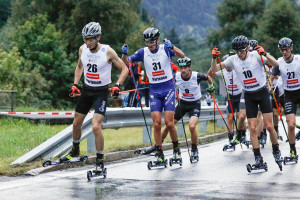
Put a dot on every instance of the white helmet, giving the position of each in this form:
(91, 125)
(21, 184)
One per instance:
(92, 29)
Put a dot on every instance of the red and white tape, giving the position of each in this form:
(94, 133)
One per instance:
(39, 113)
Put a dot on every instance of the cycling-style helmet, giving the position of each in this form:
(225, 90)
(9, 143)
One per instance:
(240, 42)
(285, 42)
(91, 30)
(182, 62)
(151, 34)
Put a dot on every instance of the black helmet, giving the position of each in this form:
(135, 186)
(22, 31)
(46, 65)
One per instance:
(240, 42)
(182, 62)
(92, 29)
(151, 34)
(285, 42)
(253, 43)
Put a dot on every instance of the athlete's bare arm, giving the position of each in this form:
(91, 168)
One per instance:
(178, 52)
(214, 67)
(79, 68)
(209, 80)
(271, 60)
(125, 59)
(112, 57)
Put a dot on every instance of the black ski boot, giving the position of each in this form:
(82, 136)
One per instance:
(259, 164)
(161, 161)
(176, 159)
(74, 152)
(278, 158)
(292, 158)
(229, 146)
(263, 139)
(194, 155)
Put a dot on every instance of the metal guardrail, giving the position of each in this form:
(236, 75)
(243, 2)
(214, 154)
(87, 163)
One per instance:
(115, 118)
(9, 101)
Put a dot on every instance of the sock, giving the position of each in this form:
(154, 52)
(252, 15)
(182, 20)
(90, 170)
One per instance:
(99, 156)
(276, 128)
(275, 147)
(292, 147)
(175, 144)
(256, 152)
(265, 131)
(194, 146)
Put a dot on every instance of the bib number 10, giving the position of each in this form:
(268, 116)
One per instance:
(247, 74)
(156, 66)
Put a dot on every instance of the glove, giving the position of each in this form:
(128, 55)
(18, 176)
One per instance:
(168, 44)
(125, 49)
(115, 91)
(215, 52)
(260, 50)
(210, 90)
(74, 91)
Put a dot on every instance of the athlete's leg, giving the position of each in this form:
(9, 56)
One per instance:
(165, 131)
(252, 123)
(77, 124)
(192, 126)
(169, 121)
(291, 121)
(268, 118)
(156, 117)
(97, 130)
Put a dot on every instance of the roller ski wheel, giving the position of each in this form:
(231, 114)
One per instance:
(96, 173)
(82, 159)
(152, 164)
(175, 161)
(253, 167)
(290, 159)
(228, 146)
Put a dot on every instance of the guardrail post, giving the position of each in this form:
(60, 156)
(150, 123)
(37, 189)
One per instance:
(180, 131)
(203, 127)
(145, 134)
(220, 123)
(91, 146)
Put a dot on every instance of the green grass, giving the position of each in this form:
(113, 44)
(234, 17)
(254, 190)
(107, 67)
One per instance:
(18, 136)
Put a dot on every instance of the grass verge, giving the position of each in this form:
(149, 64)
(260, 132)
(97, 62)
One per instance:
(18, 136)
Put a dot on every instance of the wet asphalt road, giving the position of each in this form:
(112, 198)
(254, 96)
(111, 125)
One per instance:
(217, 175)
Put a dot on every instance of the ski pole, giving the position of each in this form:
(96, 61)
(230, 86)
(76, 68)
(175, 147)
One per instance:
(229, 101)
(178, 103)
(214, 117)
(131, 72)
(133, 90)
(262, 60)
(220, 113)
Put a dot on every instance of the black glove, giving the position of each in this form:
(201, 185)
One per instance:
(74, 91)
(115, 91)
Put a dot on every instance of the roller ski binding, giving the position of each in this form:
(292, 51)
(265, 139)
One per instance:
(100, 170)
(278, 159)
(161, 161)
(176, 159)
(147, 151)
(71, 157)
(259, 164)
(231, 144)
(292, 158)
(194, 155)
(245, 142)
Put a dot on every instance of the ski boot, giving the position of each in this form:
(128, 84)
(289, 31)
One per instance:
(243, 138)
(278, 159)
(148, 150)
(161, 161)
(259, 164)
(194, 155)
(74, 152)
(99, 171)
(176, 159)
(292, 158)
(263, 139)
(231, 144)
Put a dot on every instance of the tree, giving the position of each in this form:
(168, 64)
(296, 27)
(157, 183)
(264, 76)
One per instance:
(280, 19)
(4, 11)
(235, 17)
(43, 45)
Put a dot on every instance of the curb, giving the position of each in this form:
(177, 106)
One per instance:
(114, 156)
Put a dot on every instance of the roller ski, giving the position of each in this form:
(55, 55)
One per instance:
(278, 159)
(245, 142)
(293, 158)
(194, 155)
(176, 159)
(146, 151)
(259, 164)
(71, 157)
(161, 161)
(231, 144)
(99, 170)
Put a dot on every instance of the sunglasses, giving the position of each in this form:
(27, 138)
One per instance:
(150, 42)
(241, 50)
(90, 40)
